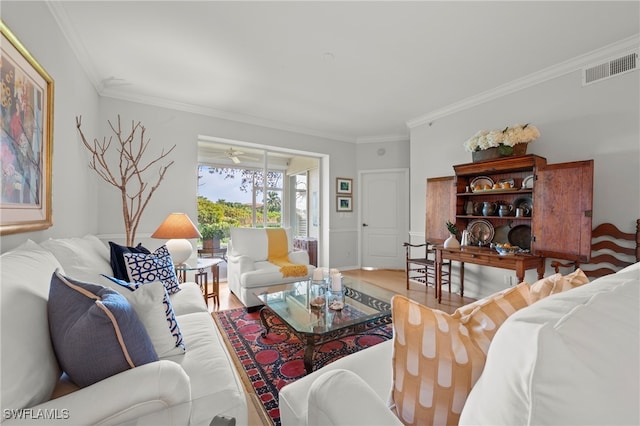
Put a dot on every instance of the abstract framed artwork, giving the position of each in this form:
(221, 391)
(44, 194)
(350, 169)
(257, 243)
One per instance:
(344, 186)
(343, 204)
(26, 141)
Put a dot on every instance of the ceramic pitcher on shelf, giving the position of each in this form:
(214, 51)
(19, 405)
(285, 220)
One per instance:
(489, 208)
(505, 210)
(469, 208)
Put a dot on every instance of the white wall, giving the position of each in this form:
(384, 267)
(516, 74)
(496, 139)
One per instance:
(74, 185)
(178, 191)
(383, 155)
(82, 203)
(600, 121)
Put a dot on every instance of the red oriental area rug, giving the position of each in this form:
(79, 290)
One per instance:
(275, 360)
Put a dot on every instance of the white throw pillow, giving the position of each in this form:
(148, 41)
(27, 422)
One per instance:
(82, 258)
(152, 304)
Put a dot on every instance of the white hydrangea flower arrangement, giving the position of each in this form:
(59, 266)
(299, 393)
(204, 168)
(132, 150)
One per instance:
(508, 137)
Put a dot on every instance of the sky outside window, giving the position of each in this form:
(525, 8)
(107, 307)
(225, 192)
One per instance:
(215, 187)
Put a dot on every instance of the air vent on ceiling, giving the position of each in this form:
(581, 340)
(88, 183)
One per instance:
(611, 68)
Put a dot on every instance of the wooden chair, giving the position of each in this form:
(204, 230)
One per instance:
(611, 250)
(423, 269)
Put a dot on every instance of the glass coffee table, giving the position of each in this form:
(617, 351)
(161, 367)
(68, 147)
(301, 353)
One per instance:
(366, 307)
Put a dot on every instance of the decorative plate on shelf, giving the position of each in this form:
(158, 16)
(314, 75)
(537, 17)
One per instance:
(520, 236)
(527, 183)
(481, 232)
(481, 182)
(508, 180)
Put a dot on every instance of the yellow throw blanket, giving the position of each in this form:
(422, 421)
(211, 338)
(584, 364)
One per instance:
(278, 254)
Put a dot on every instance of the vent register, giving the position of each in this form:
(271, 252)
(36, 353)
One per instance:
(610, 68)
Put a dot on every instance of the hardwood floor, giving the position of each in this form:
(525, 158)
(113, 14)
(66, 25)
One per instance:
(393, 280)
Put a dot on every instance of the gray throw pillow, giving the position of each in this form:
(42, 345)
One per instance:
(95, 331)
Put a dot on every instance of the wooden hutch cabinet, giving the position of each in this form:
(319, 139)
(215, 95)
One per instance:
(556, 202)
(441, 207)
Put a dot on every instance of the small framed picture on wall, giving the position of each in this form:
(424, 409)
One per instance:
(344, 186)
(343, 204)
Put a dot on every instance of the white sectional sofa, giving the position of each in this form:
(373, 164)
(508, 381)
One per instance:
(572, 358)
(180, 389)
(249, 271)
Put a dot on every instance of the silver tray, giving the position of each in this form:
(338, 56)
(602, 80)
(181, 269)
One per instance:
(481, 232)
(481, 181)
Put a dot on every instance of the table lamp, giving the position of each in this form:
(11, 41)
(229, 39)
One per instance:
(177, 227)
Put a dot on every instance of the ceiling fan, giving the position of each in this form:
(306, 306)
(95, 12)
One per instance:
(236, 156)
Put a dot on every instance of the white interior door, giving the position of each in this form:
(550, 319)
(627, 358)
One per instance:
(384, 218)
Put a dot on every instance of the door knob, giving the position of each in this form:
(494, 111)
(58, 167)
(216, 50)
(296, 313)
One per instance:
(364, 224)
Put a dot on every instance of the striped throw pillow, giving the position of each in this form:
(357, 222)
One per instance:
(556, 283)
(438, 357)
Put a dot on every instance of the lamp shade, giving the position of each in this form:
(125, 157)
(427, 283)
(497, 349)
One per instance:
(177, 225)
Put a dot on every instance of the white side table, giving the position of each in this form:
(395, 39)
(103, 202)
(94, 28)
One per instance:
(202, 277)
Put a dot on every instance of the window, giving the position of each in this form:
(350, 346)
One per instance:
(235, 196)
(253, 187)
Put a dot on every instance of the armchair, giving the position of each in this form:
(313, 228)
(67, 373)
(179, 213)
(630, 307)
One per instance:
(249, 270)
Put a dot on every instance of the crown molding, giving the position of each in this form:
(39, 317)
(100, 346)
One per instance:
(211, 112)
(533, 79)
(64, 23)
(77, 46)
(60, 15)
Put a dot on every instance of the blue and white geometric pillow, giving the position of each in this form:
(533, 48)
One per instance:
(157, 266)
(152, 304)
(174, 328)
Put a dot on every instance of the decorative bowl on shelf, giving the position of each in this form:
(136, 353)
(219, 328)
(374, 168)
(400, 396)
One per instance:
(504, 249)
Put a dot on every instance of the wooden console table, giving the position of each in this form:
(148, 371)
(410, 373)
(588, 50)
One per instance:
(486, 257)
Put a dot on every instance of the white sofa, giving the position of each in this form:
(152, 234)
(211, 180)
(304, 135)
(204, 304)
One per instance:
(186, 389)
(572, 358)
(249, 271)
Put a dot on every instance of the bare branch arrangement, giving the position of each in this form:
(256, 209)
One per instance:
(128, 177)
